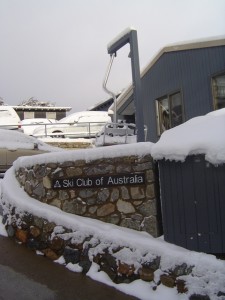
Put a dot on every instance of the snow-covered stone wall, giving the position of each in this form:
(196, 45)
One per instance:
(118, 190)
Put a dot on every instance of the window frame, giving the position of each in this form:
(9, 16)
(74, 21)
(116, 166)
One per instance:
(158, 114)
(214, 97)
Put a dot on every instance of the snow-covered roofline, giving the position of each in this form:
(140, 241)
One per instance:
(21, 107)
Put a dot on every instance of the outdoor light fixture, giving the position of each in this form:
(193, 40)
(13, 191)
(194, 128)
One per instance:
(129, 35)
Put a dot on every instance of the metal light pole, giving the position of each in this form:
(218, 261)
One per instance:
(130, 36)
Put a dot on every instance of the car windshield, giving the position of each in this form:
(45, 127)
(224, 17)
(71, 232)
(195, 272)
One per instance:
(4, 113)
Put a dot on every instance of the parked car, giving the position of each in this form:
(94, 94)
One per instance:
(9, 119)
(116, 133)
(81, 124)
(29, 125)
(15, 144)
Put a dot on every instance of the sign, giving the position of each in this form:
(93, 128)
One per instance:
(98, 181)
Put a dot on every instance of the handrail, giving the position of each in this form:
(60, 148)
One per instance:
(107, 90)
(88, 132)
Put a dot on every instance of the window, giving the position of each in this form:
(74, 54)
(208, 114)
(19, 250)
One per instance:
(218, 87)
(28, 115)
(40, 114)
(169, 110)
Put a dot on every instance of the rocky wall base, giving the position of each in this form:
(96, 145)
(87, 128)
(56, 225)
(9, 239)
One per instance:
(72, 247)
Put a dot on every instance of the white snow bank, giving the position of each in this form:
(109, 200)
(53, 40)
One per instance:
(140, 149)
(200, 135)
(12, 140)
(208, 275)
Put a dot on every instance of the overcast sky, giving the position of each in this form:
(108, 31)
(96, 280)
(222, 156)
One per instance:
(56, 50)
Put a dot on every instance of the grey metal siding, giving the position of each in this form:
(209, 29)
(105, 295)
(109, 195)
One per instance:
(189, 71)
(193, 204)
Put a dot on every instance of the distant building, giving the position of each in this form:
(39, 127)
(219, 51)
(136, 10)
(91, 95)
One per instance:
(183, 81)
(103, 105)
(49, 112)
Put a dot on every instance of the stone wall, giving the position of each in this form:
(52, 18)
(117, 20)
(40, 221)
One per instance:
(71, 145)
(133, 206)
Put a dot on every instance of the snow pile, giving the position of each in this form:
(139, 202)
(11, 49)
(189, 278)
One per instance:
(207, 277)
(200, 135)
(87, 155)
(13, 140)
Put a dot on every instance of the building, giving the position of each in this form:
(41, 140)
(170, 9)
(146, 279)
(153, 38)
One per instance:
(48, 112)
(183, 81)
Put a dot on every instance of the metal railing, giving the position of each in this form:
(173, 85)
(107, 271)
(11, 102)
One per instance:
(79, 130)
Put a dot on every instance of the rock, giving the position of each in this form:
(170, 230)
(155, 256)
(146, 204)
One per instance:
(125, 193)
(39, 191)
(148, 208)
(71, 255)
(150, 225)
(39, 222)
(10, 231)
(154, 264)
(130, 223)
(103, 195)
(73, 171)
(57, 243)
(47, 182)
(137, 193)
(114, 195)
(22, 235)
(63, 195)
(33, 244)
(35, 231)
(76, 207)
(167, 280)
(48, 227)
(113, 219)
(181, 288)
(85, 265)
(146, 274)
(50, 254)
(92, 210)
(143, 167)
(150, 191)
(125, 269)
(87, 193)
(125, 207)
(182, 270)
(199, 297)
(105, 210)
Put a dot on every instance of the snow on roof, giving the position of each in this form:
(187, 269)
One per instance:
(33, 108)
(200, 135)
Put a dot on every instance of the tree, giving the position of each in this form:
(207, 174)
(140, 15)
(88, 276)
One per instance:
(1, 101)
(34, 102)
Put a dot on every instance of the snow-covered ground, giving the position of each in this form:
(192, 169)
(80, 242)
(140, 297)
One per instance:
(199, 135)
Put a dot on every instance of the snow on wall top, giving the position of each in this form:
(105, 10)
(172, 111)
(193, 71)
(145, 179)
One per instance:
(200, 135)
(88, 155)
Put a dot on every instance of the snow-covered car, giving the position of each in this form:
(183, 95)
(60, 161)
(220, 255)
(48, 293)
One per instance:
(9, 119)
(84, 124)
(15, 144)
(116, 133)
(29, 125)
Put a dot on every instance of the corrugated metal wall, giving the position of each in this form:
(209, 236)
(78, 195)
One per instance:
(189, 71)
(193, 204)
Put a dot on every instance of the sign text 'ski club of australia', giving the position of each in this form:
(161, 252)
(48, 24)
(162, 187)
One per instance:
(99, 181)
